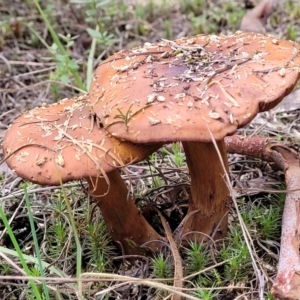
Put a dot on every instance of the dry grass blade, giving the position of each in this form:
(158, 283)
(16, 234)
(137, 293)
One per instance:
(148, 282)
(21, 271)
(178, 272)
(12, 263)
(260, 273)
(33, 86)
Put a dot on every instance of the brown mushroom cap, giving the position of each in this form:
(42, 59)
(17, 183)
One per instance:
(64, 142)
(176, 90)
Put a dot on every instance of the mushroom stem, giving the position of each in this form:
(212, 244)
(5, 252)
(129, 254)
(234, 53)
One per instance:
(124, 221)
(209, 192)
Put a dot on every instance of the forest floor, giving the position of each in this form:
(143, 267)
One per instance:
(35, 70)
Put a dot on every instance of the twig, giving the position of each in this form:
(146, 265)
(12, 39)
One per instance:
(226, 68)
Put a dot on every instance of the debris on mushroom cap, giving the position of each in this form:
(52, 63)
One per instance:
(176, 90)
(65, 141)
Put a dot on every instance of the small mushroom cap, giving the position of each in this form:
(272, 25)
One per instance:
(176, 90)
(64, 142)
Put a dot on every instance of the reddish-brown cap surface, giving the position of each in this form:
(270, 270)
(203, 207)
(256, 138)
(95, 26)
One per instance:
(176, 90)
(64, 141)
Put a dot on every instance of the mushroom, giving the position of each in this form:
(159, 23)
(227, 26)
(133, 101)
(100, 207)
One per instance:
(255, 19)
(195, 90)
(62, 142)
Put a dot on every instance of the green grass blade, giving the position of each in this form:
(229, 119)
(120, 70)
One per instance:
(36, 244)
(77, 241)
(20, 254)
(89, 71)
(60, 46)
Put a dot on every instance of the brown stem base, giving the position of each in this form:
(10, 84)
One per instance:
(122, 218)
(209, 192)
(287, 282)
